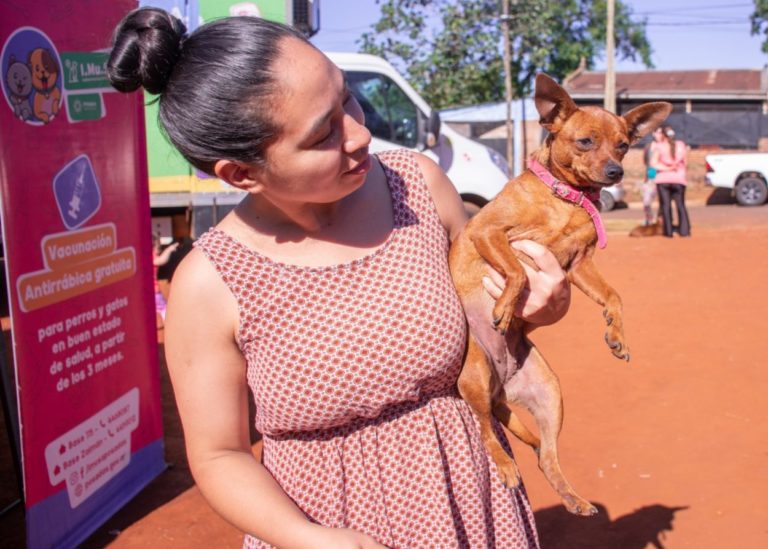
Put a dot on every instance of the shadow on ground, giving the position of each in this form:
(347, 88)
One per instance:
(559, 529)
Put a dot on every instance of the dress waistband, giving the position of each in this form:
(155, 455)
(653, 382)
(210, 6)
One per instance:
(387, 414)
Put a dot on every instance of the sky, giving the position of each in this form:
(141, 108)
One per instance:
(684, 34)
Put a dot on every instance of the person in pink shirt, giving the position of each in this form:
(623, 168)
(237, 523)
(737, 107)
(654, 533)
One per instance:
(668, 157)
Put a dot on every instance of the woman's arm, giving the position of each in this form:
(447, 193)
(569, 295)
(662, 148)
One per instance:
(450, 207)
(208, 375)
(547, 295)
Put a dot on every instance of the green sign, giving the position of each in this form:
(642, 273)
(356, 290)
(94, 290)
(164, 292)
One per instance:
(85, 70)
(84, 106)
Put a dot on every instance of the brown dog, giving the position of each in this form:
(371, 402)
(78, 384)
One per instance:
(584, 149)
(654, 229)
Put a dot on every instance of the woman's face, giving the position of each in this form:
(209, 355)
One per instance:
(658, 134)
(321, 154)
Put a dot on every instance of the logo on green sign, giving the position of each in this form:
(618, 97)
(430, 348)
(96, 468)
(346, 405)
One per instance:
(84, 106)
(85, 70)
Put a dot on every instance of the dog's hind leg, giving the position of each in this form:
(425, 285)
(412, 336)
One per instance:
(536, 387)
(513, 424)
(478, 383)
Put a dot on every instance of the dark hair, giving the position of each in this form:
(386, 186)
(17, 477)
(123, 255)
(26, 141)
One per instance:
(216, 85)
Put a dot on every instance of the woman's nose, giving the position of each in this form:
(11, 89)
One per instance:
(356, 135)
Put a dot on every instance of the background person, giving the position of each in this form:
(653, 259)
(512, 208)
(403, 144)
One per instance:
(648, 186)
(160, 258)
(326, 292)
(669, 158)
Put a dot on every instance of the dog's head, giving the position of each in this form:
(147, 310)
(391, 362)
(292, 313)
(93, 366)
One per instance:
(586, 145)
(44, 70)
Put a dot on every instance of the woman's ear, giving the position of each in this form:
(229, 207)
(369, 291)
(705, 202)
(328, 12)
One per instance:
(240, 176)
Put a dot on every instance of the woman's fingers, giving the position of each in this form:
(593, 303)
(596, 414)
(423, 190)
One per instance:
(546, 296)
(542, 257)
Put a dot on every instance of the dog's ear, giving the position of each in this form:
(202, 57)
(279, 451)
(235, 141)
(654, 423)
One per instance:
(553, 103)
(647, 117)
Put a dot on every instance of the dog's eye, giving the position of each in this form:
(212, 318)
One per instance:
(585, 142)
(623, 147)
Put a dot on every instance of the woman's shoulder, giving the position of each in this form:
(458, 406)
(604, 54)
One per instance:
(196, 275)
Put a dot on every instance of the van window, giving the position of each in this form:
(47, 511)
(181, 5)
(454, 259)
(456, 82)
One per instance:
(389, 113)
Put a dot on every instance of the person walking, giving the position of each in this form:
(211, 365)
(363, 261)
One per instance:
(669, 158)
(326, 293)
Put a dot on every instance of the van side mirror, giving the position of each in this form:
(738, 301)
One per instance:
(428, 130)
(432, 135)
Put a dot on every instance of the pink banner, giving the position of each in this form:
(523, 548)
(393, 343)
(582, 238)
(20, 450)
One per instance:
(76, 234)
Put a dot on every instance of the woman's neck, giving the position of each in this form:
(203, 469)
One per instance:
(268, 216)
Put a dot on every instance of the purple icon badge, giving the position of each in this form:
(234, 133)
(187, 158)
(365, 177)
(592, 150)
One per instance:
(77, 192)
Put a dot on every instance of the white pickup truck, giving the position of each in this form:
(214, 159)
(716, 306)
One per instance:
(746, 174)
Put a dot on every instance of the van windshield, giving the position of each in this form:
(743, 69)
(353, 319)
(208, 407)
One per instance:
(389, 113)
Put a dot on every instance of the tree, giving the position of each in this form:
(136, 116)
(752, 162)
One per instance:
(451, 49)
(759, 20)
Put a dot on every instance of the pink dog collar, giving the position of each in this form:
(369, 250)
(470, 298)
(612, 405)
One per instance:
(567, 192)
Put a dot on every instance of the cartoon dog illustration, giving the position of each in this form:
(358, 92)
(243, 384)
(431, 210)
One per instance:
(45, 73)
(19, 81)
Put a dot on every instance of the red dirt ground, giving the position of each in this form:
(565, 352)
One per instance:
(671, 447)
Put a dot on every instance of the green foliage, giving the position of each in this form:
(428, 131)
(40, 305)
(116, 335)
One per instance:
(759, 20)
(451, 50)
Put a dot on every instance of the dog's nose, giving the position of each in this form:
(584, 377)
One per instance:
(614, 171)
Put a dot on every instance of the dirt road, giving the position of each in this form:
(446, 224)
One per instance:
(671, 447)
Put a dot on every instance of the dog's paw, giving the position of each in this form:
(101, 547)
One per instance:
(608, 318)
(618, 348)
(502, 318)
(510, 476)
(579, 506)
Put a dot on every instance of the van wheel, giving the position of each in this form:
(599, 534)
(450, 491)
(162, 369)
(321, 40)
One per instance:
(751, 191)
(471, 208)
(607, 202)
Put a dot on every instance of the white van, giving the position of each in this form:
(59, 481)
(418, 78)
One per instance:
(398, 117)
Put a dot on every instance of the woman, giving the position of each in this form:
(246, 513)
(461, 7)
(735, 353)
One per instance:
(669, 160)
(327, 292)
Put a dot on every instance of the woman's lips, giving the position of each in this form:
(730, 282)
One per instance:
(362, 167)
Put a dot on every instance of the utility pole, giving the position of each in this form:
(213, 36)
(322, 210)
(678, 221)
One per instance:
(610, 75)
(507, 57)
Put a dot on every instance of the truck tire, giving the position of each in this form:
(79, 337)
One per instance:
(751, 191)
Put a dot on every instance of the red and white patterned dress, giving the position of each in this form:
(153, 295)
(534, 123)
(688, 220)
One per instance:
(353, 369)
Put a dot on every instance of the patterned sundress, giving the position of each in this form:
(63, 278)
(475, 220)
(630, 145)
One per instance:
(353, 369)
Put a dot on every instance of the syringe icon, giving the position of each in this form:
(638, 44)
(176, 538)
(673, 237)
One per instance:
(77, 193)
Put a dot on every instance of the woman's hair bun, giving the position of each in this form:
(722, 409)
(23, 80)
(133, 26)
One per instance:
(145, 48)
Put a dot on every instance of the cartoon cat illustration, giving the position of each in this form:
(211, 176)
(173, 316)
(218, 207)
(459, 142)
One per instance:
(19, 81)
(45, 72)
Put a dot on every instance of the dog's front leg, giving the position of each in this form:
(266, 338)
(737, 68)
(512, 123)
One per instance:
(493, 247)
(588, 279)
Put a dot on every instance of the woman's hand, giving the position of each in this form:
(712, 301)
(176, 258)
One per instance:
(547, 294)
(344, 538)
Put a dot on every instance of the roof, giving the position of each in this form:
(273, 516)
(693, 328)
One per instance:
(490, 112)
(685, 84)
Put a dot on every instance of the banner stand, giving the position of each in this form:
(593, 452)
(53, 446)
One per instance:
(11, 414)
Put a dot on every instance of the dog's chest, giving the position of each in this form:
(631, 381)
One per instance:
(565, 228)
